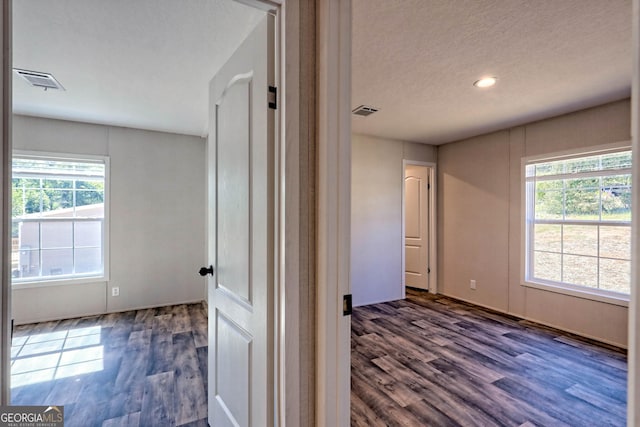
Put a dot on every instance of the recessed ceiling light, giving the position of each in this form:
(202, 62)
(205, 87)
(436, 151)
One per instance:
(485, 82)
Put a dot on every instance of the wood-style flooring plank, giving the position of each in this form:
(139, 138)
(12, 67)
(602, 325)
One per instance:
(199, 324)
(191, 401)
(158, 403)
(430, 360)
(161, 348)
(149, 371)
(180, 321)
(203, 363)
(92, 408)
(129, 420)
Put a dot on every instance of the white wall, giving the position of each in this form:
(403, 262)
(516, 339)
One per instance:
(376, 215)
(479, 220)
(156, 218)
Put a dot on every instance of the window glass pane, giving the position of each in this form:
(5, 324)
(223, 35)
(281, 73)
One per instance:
(615, 275)
(26, 183)
(590, 253)
(582, 183)
(616, 181)
(580, 270)
(620, 160)
(48, 190)
(90, 211)
(582, 164)
(582, 204)
(547, 266)
(548, 237)
(88, 234)
(616, 204)
(15, 262)
(616, 160)
(17, 202)
(88, 260)
(549, 168)
(57, 183)
(548, 204)
(28, 165)
(90, 185)
(57, 200)
(580, 239)
(28, 263)
(88, 197)
(57, 234)
(29, 235)
(552, 184)
(25, 201)
(56, 262)
(615, 242)
(15, 255)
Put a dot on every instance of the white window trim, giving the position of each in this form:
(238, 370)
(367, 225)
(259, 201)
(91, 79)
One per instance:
(104, 277)
(593, 294)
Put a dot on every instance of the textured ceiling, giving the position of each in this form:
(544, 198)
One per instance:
(147, 63)
(416, 60)
(143, 63)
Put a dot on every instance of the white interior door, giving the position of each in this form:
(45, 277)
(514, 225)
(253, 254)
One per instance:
(416, 226)
(241, 235)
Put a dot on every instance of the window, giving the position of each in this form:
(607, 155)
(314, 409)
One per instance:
(58, 218)
(578, 223)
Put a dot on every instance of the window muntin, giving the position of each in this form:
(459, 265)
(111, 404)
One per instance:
(58, 218)
(578, 222)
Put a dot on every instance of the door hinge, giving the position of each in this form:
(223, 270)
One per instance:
(347, 307)
(428, 270)
(273, 90)
(428, 186)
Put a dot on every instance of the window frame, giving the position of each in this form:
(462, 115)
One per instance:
(80, 279)
(579, 291)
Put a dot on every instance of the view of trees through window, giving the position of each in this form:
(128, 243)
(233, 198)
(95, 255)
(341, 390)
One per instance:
(58, 218)
(579, 221)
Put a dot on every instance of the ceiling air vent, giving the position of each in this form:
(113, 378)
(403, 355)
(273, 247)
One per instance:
(38, 79)
(364, 110)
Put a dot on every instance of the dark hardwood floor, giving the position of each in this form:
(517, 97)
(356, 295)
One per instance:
(138, 368)
(434, 361)
(425, 361)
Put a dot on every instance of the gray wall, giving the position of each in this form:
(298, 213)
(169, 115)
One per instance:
(376, 215)
(156, 218)
(479, 220)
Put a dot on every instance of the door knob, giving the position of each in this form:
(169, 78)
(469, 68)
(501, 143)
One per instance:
(206, 270)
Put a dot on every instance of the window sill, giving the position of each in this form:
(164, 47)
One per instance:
(61, 282)
(580, 292)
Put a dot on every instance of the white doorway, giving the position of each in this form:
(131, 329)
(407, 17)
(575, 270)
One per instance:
(419, 226)
(5, 370)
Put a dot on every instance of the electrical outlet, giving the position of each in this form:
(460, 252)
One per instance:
(115, 291)
(472, 284)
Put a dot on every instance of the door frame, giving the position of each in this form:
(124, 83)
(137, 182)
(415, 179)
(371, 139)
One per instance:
(431, 224)
(633, 382)
(333, 212)
(296, 327)
(314, 138)
(297, 398)
(6, 107)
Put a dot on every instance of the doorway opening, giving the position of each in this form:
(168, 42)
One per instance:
(419, 264)
(147, 155)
